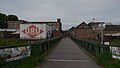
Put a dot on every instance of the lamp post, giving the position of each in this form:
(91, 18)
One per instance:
(101, 31)
(102, 27)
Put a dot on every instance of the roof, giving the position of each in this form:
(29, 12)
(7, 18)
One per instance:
(15, 33)
(90, 24)
(72, 28)
(8, 30)
(83, 25)
(117, 34)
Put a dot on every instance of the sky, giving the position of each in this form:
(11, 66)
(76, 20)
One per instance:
(71, 12)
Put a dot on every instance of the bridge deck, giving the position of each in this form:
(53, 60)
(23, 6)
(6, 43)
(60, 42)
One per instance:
(68, 55)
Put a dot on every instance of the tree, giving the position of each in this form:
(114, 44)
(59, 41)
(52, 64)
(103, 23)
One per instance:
(3, 19)
(12, 18)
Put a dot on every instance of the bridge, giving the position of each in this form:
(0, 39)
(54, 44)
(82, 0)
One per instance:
(67, 54)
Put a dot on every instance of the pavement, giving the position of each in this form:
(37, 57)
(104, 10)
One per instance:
(68, 55)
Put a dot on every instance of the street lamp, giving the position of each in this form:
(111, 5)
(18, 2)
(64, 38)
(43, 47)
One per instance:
(102, 27)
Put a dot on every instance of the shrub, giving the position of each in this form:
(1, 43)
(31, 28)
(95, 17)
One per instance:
(28, 62)
(2, 61)
(104, 57)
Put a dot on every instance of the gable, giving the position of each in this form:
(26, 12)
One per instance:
(83, 25)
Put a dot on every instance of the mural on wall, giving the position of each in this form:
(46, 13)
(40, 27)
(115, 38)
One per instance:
(15, 53)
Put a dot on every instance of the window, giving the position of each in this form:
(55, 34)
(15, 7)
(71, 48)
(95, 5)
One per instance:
(58, 24)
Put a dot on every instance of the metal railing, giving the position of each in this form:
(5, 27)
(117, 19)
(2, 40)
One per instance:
(92, 48)
(39, 49)
(36, 50)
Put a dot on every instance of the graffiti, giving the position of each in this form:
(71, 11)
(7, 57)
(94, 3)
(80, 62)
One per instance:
(115, 52)
(16, 53)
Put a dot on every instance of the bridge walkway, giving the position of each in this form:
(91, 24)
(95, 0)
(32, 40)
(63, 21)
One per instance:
(68, 55)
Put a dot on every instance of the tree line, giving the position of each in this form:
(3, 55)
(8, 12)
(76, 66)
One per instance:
(4, 18)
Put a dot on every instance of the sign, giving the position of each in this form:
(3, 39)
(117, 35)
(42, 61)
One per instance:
(32, 31)
(15, 53)
(115, 52)
(106, 43)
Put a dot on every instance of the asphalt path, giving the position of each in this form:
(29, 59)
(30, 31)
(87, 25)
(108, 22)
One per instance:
(68, 55)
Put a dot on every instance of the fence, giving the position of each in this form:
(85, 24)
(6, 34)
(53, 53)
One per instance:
(92, 48)
(37, 50)
(106, 55)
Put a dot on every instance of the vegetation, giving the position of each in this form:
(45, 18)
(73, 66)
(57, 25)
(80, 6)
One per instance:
(28, 62)
(2, 61)
(37, 55)
(4, 18)
(12, 18)
(105, 59)
(116, 42)
(12, 42)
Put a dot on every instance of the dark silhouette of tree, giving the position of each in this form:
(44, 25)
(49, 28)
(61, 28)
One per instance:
(3, 20)
(12, 18)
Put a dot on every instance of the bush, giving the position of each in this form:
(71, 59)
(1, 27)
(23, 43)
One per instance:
(12, 42)
(2, 61)
(28, 62)
(104, 57)
(114, 63)
(37, 55)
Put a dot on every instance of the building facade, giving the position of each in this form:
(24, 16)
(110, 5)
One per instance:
(93, 32)
(56, 26)
(83, 31)
(14, 24)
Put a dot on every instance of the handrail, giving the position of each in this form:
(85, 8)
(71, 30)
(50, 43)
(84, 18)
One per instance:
(36, 50)
(92, 48)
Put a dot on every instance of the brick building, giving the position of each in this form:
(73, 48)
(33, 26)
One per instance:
(85, 32)
(92, 31)
(56, 25)
(14, 24)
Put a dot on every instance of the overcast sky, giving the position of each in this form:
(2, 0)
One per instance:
(71, 12)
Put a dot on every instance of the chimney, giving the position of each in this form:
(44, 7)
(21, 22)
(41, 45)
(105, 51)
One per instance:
(93, 19)
(58, 20)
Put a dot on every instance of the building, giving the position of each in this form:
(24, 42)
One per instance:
(93, 32)
(6, 33)
(14, 24)
(56, 26)
(83, 31)
(72, 31)
(95, 25)
(111, 32)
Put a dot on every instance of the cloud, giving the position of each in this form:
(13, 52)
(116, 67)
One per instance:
(70, 11)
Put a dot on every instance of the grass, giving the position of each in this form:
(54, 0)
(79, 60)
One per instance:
(37, 56)
(29, 62)
(105, 59)
(116, 43)
(12, 42)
